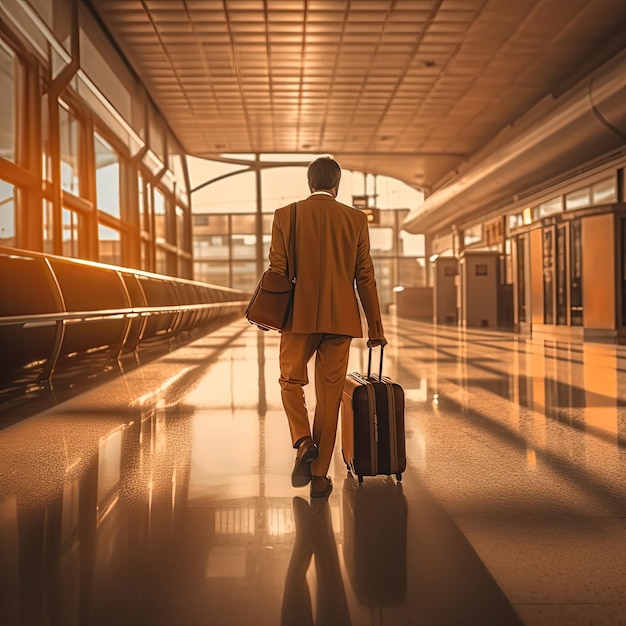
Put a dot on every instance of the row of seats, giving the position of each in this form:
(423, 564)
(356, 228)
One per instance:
(60, 315)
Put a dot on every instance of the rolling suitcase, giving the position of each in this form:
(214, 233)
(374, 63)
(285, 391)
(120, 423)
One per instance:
(372, 424)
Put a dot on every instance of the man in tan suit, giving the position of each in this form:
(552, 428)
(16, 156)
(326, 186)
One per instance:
(332, 253)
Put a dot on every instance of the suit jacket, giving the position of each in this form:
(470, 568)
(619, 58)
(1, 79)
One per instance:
(332, 253)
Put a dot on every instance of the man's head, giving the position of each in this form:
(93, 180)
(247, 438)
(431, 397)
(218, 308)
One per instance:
(324, 174)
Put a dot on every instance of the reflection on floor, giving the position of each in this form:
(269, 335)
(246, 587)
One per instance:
(163, 497)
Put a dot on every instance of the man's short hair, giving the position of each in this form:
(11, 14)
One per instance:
(324, 173)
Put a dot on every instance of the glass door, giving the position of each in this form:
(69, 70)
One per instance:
(561, 275)
(576, 274)
(521, 278)
(548, 275)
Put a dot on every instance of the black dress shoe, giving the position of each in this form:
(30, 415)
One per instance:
(307, 453)
(321, 486)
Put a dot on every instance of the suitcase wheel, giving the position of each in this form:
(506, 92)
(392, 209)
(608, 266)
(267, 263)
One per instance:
(360, 479)
(398, 477)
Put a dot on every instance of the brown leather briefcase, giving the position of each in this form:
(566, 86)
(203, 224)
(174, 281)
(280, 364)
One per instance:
(270, 305)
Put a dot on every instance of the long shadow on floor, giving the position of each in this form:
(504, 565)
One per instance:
(409, 563)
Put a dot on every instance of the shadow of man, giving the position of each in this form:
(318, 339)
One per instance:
(314, 537)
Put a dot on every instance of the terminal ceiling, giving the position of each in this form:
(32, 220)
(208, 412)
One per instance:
(407, 88)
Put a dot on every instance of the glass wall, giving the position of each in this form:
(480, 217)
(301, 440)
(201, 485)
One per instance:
(7, 104)
(161, 261)
(8, 124)
(226, 245)
(226, 202)
(562, 273)
(107, 177)
(235, 194)
(110, 245)
(160, 217)
(548, 276)
(48, 235)
(180, 228)
(104, 188)
(7, 214)
(70, 233)
(69, 132)
(225, 248)
(521, 244)
(599, 193)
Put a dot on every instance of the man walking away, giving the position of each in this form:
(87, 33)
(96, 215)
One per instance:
(332, 253)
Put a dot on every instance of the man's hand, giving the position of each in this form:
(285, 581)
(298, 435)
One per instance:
(379, 341)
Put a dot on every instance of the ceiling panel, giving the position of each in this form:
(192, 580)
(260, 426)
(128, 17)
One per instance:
(410, 88)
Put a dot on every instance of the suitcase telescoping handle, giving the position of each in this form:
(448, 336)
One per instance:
(369, 364)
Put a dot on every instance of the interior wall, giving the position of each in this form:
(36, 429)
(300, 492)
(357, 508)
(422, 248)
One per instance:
(599, 284)
(536, 276)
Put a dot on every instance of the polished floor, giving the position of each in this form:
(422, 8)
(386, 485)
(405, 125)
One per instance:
(163, 497)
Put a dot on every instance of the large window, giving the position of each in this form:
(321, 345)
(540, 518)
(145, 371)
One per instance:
(605, 191)
(145, 212)
(70, 233)
(212, 248)
(161, 261)
(214, 273)
(411, 272)
(411, 245)
(381, 241)
(550, 207)
(160, 216)
(244, 275)
(560, 274)
(81, 199)
(145, 254)
(521, 278)
(109, 245)
(225, 249)
(144, 224)
(548, 275)
(8, 120)
(243, 237)
(385, 280)
(107, 177)
(473, 235)
(180, 228)
(234, 194)
(243, 246)
(48, 235)
(69, 129)
(7, 214)
(226, 241)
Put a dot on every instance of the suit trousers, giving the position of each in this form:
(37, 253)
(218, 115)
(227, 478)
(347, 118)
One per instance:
(331, 365)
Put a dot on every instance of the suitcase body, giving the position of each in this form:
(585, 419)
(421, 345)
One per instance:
(372, 425)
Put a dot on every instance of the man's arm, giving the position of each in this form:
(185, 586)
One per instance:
(278, 255)
(366, 286)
